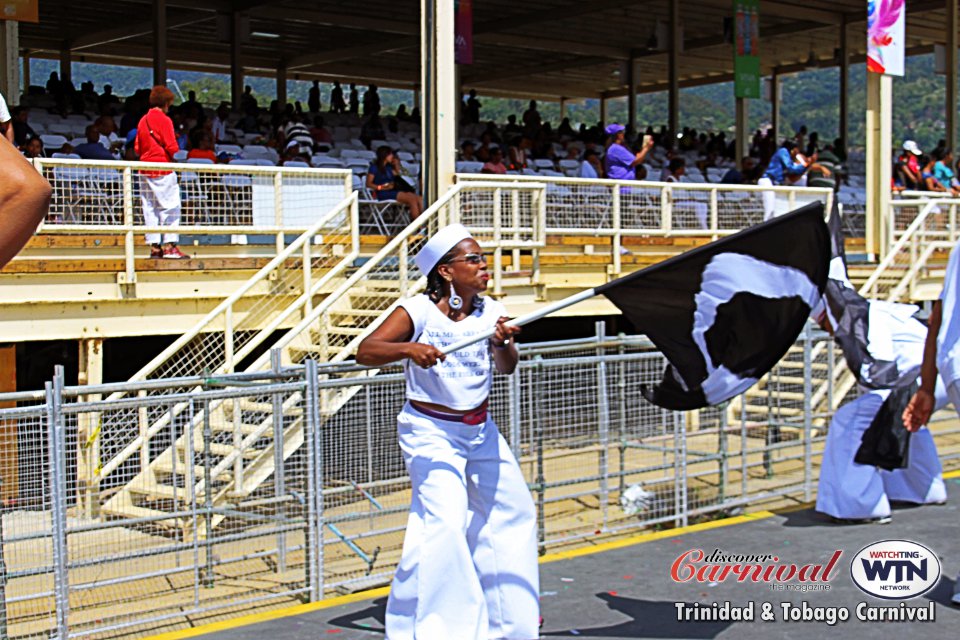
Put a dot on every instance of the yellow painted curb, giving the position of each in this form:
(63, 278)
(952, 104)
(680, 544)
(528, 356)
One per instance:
(327, 603)
(255, 618)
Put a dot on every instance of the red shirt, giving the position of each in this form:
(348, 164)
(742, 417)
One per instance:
(162, 143)
(200, 153)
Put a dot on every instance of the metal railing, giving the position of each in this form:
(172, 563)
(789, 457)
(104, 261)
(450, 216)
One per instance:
(332, 516)
(374, 289)
(916, 229)
(104, 197)
(232, 332)
(622, 208)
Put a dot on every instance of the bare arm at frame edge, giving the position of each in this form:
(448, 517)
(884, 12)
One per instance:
(920, 407)
(24, 201)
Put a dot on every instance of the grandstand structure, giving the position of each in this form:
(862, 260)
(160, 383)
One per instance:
(183, 468)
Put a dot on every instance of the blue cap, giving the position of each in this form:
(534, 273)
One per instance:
(613, 129)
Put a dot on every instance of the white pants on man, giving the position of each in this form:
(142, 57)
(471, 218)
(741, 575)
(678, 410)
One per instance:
(769, 196)
(160, 197)
(469, 565)
(856, 491)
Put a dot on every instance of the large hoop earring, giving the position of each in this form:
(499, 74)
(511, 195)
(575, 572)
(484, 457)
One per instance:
(455, 301)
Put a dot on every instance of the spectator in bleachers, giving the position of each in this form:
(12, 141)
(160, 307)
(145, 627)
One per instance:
(22, 131)
(565, 130)
(943, 172)
(313, 97)
(6, 122)
(735, 176)
(531, 119)
(202, 146)
(220, 123)
(801, 136)
(518, 154)
(337, 103)
(383, 181)
(840, 149)
(906, 170)
(468, 152)
(159, 191)
(134, 108)
(927, 174)
(402, 115)
(179, 128)
(354, 100)
(495, 164)
(473, 108)
(591, 167)
(371, 101)
(675, 170)
(248, 102)
(107, 101)
(297, 151)
(320, 134)
(487, 145)
(294, 131)
(813, 145)
(92, 149)
(54, 86)
(371, 130)
(512, 128)
(619, 162)
(783, 164)
(33, 148)
(192, 109)
(107, 128)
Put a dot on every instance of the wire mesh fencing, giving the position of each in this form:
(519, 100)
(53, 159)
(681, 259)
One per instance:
(608, 207)
(258, 489)
(91, 194)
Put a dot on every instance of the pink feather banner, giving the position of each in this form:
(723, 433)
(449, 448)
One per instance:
(886, 20)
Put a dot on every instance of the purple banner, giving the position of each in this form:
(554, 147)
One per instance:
(463, 31)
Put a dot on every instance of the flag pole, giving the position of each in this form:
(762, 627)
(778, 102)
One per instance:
(525, 319)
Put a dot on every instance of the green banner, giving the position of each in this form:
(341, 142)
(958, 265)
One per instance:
(746, 48)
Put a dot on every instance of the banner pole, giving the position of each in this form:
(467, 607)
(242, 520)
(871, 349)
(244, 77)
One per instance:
(525, 319)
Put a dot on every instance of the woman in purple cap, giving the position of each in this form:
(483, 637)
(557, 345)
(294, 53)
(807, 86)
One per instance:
(469, 564)
(620, 161)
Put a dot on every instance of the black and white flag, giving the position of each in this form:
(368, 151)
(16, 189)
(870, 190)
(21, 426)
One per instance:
(881, 341)
(724, 314)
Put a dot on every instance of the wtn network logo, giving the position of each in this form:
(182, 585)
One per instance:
(895, 569)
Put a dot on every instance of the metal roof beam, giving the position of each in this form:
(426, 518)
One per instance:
(135, 30)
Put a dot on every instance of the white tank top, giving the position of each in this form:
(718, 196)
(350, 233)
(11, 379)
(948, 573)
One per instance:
(463, 380)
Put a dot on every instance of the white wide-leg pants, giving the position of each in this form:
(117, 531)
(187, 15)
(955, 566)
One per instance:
(469, 565)
(160, 197)
(851, 490)
(769, 198)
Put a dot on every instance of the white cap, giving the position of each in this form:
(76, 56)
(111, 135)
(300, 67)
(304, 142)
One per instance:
(437, 246)
(912, 147)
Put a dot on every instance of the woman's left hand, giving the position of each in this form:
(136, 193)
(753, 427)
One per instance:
(504, 332)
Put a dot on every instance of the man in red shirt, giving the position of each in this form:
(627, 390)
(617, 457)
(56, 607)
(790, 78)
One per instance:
(159, 191)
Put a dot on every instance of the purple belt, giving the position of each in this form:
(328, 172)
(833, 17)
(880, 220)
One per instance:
(475, 417)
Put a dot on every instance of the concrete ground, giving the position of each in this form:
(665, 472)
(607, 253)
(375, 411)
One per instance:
(623, 589)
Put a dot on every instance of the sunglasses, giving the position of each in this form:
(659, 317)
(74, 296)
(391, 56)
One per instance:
(473, 258)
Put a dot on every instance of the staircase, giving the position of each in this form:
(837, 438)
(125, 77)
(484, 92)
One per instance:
(242, 436)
